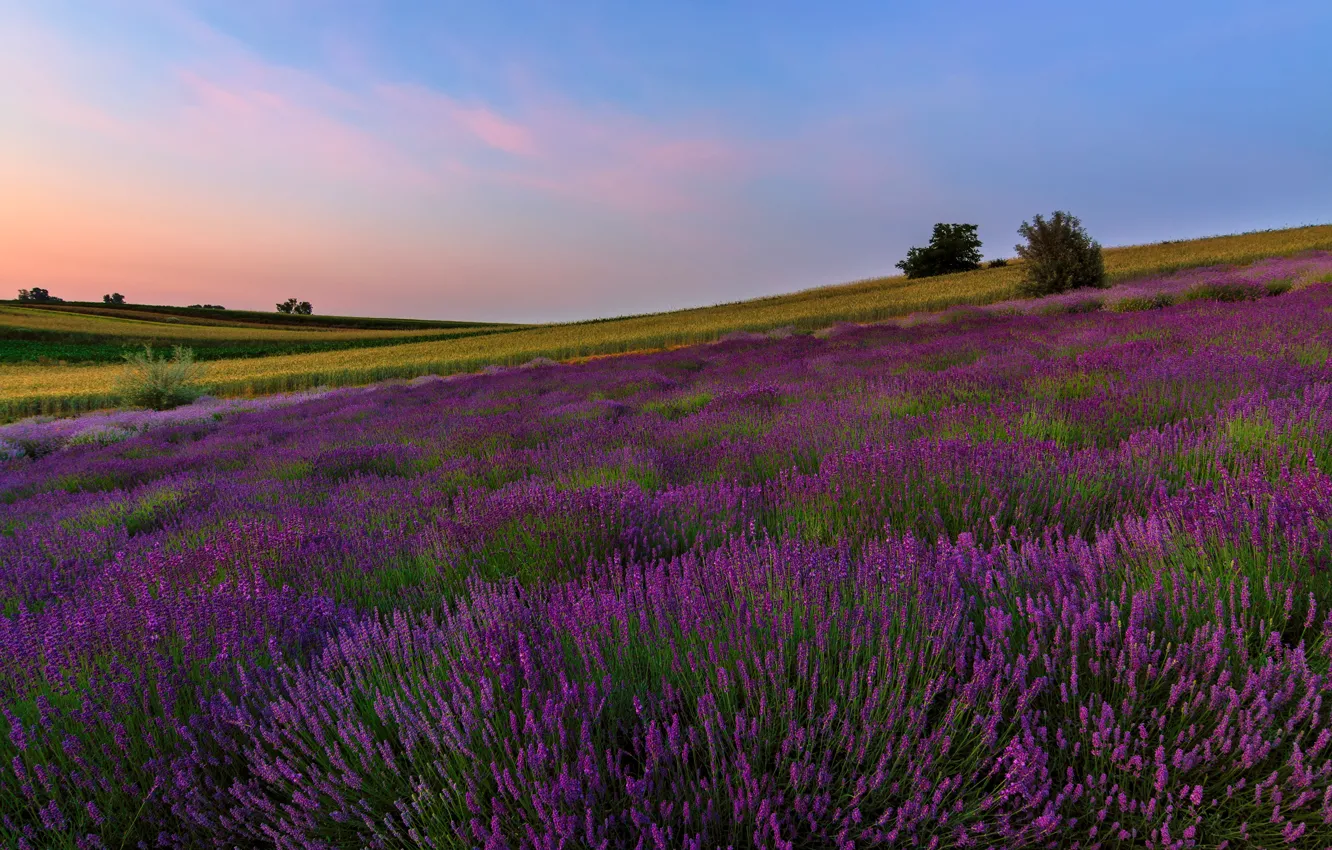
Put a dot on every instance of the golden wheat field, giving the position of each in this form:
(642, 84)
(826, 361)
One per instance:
(29, 389)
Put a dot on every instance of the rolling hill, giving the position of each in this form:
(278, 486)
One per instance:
(357, 351)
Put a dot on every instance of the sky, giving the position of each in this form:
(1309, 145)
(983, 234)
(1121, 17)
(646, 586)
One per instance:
(566, 159)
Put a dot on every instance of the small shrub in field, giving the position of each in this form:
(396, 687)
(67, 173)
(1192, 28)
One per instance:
(1141, 302)
(679, 406)
(1227, 292)
(1278, 287)
(962, 313)
(1060, 255)
(999, 263)
(1085, 305)
(160, 383)
(101, 437)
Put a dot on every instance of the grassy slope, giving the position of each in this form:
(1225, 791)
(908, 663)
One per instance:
(31, 389)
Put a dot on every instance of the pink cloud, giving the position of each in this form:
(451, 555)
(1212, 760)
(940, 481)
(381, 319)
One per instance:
(701, 154)
(496, 131)
(221, 120)
(569, 151)
(425, 113)
(626, 162)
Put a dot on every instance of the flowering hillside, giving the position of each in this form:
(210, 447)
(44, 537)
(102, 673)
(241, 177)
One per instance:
(28, 387)
(1031, 576)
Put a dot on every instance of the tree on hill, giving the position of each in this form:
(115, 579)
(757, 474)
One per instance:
(113, 298)
(37, 294)
(299, 308)
(1060, 255)
(952, 248)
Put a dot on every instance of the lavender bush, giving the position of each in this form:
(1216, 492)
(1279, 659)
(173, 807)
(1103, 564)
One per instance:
(1046, 578)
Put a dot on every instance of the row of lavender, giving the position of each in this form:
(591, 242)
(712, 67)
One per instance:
(992, 581)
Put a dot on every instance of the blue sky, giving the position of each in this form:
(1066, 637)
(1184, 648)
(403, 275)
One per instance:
(559, 160)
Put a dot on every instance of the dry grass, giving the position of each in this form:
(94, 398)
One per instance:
(46, 389)
(1136, 260)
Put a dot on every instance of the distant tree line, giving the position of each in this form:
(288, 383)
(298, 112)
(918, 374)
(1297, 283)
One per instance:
(1058, 254)
(295, 307)
(39, 295)
(36, 294)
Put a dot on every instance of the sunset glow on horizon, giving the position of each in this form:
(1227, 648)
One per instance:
(561, 161)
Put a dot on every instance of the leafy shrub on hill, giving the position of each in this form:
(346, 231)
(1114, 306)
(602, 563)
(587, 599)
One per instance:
(952, 248)
(160, 382)
(1060, 255)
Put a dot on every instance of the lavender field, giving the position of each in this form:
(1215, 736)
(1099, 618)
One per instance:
(1031, 576)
